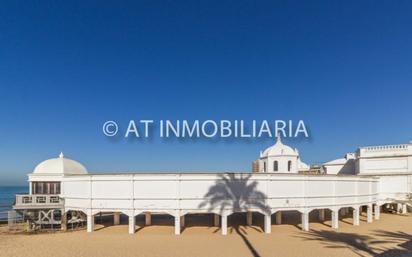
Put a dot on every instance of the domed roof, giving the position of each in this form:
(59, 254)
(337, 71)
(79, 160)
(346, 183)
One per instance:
(60, 165)
(279, 149)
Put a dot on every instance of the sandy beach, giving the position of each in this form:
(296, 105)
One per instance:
(389, 236)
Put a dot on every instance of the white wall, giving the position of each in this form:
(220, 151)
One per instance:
(193, 193)
(385, 159)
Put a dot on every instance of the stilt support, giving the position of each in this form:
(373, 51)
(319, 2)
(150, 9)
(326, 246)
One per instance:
(278, 218)
(321, 214)
(132, 222)
(224, 224)
(177, 225)
(356, 216)
(369, 214)
(90, 223)
(335, 219)
(148, 218)
(116, 218)
(182, 221)
(216, 218)
(377, 212)
(249, 218)
(305, 221)
(268, 223)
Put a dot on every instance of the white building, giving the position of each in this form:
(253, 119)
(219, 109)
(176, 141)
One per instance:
(370, 178)
(280, 158)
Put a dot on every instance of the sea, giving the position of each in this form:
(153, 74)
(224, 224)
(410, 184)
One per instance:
(7, 198)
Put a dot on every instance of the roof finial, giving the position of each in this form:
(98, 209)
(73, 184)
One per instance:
(278, 138)
(61, 155)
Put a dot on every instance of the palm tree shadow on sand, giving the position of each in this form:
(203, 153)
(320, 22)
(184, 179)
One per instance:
(365, 245)
(236, 193)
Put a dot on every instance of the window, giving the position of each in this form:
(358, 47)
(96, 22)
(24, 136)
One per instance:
(46, 188)
(289, 165)
(275, 166)
(264, 166)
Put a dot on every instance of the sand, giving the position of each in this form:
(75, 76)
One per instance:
(389, 236)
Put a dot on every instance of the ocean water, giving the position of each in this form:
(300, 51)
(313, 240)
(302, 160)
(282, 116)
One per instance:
(8, 196)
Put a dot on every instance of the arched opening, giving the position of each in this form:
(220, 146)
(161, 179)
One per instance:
(289, 165)
(145, 220)
(198, 220)
(275, 166)
(264, 166)
(107, 219)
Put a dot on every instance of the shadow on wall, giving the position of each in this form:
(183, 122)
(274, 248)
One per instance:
(348, 168)
(235, 193)
(363, 245)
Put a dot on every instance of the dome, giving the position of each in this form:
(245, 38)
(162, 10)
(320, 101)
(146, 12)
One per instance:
(279, 149)
(60, 165)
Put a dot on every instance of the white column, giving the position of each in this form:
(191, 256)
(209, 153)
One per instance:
(182, 221)
(278, 218)
(63, 220)
(321, 213)
(268, 223)
(377, 212)
(148, 218)
(177, 225)
(116, 218)
(30, 188)
(224, 224)
(369, 214)
(335, 219)
(404, 208)
(249, 218)
(90, 223)
(398, 208)
(216, 220)
(356, 216)
(131, 224)
(305, 221)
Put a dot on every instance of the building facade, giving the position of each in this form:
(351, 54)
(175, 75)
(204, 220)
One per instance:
(62, 191)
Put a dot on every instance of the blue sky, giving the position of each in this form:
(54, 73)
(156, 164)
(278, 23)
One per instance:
(344, 67)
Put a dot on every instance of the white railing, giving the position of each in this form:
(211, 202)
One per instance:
(385, 148)
(38, 200)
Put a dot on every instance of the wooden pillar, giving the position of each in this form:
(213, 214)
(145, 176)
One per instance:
(216, 220)
(116, 218)
(398, 208)
(182, 221)
(148, 218)
(249, 218)
(278, 218)
(404, 209)
(321, 213)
